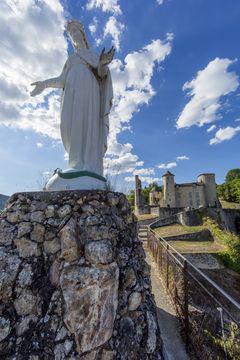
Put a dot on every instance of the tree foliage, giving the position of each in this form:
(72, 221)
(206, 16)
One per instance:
(131, 198)
(233, 175)
(230, 190)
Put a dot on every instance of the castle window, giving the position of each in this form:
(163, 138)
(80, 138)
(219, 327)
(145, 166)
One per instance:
(190, 195)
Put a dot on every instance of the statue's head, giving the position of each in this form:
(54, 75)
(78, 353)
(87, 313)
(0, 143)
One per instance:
(76, 31)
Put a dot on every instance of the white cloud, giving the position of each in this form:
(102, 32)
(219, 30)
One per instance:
(224, 134)
(132, 89)
(113, 28)
(93, 26)
(146, 179)
(205, 90)
(169, 165)
(182, 157)
(124, 163)
(105, 5)
(38, 51)
(160, 2)
(211, 128)
(39, 145)
(144, 172)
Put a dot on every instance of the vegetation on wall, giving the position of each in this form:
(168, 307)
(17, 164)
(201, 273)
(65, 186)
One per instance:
(230, 189)
(230, 257)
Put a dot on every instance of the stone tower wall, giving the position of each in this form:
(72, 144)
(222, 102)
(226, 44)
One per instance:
(210, 188)
(138, 194)
(169, 191)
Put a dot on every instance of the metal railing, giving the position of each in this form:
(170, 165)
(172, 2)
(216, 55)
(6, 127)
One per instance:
(209, 317)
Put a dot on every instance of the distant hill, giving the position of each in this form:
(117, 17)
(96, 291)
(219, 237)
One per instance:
(3, 199)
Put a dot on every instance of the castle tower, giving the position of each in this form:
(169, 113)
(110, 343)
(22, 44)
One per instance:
(138, 194)
(208, 179)
(169, 189)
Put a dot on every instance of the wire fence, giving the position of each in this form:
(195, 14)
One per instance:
(209, 317)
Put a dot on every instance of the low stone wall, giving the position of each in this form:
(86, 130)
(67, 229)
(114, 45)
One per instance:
(163, 222)
(189, 218)
(142, 210)
(203, 235)
(164, 212)
(73, 280)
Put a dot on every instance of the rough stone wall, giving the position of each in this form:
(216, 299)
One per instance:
(73, 280)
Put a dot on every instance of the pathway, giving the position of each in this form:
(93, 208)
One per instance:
(173, 345)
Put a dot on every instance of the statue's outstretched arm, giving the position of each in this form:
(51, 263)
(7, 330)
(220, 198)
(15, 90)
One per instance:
(56, 83)
(104, 59)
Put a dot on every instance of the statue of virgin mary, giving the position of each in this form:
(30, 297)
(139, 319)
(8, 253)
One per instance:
(86, 103)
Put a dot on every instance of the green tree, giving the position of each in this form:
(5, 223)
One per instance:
(230, 190)
(131, 198)
(233, 175)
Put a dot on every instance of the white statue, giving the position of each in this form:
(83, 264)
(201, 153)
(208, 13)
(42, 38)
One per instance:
(86, 103)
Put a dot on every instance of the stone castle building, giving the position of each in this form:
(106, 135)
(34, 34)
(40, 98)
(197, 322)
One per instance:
(201, 193)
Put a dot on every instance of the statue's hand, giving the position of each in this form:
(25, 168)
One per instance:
(106, 58)
(39, 87)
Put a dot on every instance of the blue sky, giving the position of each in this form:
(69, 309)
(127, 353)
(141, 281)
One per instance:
(176, 84)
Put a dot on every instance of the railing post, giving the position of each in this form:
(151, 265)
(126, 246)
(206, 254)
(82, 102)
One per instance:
(167, 281)
(161, 265)
(186, 300)
(148, 247)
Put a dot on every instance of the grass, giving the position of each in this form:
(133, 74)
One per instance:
(226, 259)
(197, 247)
(146, 216)
(226, 245)
(229, 205)
(176, 229)
(190, 246)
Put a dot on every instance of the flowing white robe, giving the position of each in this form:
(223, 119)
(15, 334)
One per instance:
(86, 103)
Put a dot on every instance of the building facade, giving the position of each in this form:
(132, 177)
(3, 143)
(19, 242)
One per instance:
(201, 193)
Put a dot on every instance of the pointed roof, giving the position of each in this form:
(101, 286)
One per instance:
(168, 173)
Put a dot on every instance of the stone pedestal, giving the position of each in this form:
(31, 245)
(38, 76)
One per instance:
(73, 179)
(73, 280)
